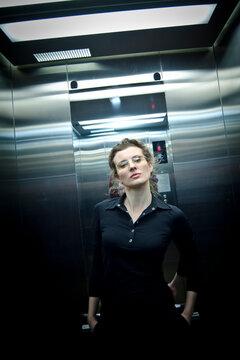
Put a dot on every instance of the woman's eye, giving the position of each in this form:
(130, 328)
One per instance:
(123, 164)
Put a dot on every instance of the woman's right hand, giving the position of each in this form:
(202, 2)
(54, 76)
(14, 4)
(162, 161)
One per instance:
(92, 322)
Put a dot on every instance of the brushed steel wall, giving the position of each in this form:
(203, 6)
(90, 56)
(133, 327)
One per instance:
(9, 216)
(199, 145)
(201, 167)
(53, 285)
(8, 169)
(7, 135)
(227, 55)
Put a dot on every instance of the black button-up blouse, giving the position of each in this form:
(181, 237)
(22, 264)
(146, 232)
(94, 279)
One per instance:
(128, 257)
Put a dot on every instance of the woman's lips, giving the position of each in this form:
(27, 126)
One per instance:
(135, 175)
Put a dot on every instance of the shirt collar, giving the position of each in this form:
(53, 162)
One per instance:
(156, 203)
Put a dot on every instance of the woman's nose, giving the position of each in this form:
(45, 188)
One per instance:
(131, 164)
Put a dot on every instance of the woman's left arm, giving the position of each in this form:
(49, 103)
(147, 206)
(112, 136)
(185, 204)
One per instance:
(187, 267)
(191, 297)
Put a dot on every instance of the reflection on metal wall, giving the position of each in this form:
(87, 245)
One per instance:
(228, 61)
(42, 123)
(7, 136)
(51, 248)
(201, 167)
(198, 138)
(9, 216)
(227, 53)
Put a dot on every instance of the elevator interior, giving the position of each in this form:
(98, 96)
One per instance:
(56, 132)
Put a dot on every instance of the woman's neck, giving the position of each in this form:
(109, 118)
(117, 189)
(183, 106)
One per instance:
(138, 199)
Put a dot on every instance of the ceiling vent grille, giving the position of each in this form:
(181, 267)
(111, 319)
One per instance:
(62, 55)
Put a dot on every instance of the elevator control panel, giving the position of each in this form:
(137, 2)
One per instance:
(160, 152)
(163, 168)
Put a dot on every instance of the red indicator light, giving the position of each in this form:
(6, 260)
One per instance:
(159, 148)
(153, 106)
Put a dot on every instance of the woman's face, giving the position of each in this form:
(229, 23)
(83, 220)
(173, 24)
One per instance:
(133, 170)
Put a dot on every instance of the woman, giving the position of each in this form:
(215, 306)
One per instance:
(131, 235)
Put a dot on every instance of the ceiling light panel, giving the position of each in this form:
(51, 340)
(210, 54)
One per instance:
(109, 22)
(12, 3)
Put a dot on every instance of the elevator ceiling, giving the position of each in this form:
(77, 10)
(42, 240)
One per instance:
(123, 41)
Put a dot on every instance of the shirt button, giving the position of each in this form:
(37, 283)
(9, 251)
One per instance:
(153, 208)
(144, 213)
(118, 205)
(130, 240)
(133, 230)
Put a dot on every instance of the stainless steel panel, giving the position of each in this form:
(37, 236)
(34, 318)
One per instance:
(7, 134)
(9, 215)
(52, 245)
(227, 54)
(43, 131)
(201, 168)
(196, 129)
(228, 65)
(8, 163)
(51, 250)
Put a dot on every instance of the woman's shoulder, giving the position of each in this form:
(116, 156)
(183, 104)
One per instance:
(108, 203)
(166, 206)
